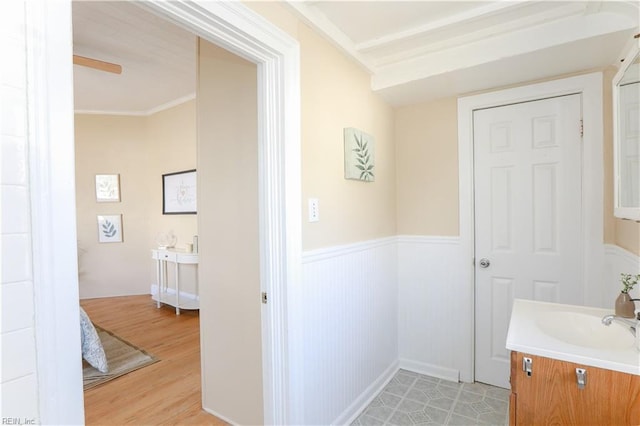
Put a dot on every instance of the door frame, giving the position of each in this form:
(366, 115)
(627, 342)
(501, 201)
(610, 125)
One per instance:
(237, 28)
(591, 88)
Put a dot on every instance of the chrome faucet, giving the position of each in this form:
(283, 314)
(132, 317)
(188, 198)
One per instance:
(631, 323)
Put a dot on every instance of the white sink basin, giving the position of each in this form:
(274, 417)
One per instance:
(585, 330)
(572, 333)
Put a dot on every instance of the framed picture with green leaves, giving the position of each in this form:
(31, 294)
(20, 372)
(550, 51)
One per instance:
(108, 188)
(110, 228)
(359, 155)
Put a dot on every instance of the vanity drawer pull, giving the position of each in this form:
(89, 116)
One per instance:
(527, 364)
(581, 377)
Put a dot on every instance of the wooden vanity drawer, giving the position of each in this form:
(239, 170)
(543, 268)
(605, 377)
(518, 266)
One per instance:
(551, 395)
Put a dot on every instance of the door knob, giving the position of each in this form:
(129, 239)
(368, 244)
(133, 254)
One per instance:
(484, 263)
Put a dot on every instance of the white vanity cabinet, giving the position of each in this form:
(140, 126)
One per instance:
(173, 296)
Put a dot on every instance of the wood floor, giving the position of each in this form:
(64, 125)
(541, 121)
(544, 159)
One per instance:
(165, 393)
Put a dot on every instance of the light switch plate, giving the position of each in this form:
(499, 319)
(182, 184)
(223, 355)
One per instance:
(314, 212)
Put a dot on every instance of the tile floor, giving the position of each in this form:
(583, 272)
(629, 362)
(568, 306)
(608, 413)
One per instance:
(414, 399)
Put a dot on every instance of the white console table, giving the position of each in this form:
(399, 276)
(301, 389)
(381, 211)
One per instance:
(171, 296)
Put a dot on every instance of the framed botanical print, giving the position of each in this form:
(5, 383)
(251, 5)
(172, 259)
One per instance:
(110, 228)
(179, 193)
(107, 188)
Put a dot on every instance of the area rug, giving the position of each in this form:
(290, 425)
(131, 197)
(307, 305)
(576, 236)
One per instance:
(122, 357)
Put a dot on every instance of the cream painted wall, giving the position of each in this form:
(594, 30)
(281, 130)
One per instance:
(171, 147)
(140, 149)
(426, 153)
(336, 93)
(229, 270)
(109, 145)
(427, 156)
(426, 138)
(277, 13)
(628, 235)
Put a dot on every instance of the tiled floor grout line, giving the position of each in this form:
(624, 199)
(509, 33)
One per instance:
(414, 399)
(455, 402)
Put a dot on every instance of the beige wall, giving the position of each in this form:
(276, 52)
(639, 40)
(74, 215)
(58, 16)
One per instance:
(171, 147)
(426, 165)
(112, 145)
(336, 93)
(427, 152)
(426, 138)
(229, 269)
(140, 149)
(628, 235)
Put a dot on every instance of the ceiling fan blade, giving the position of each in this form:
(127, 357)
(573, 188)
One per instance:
(95, 63)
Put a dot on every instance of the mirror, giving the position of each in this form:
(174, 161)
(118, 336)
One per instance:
(626, 136)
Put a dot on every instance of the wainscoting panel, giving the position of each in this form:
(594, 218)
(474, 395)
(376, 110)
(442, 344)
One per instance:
(617, 260)
(435, 308)
(369, 308)
(347, 320)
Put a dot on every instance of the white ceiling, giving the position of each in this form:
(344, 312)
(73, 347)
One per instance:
(158, 59)
(415, 51)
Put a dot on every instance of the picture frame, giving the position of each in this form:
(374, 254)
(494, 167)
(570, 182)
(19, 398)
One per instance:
(108, 188)
(110, 228)
(179, 192)
(359, 155)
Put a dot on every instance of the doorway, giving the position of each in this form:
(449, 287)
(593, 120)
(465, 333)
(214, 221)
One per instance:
(527, 175)
(242, 32)
(589, 87)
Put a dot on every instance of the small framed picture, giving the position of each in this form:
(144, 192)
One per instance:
(359, 155)
(110, 228)
(107, 188)
(179, 193)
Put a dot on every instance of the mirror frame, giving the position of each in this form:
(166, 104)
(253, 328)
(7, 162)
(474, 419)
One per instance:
(632, 213)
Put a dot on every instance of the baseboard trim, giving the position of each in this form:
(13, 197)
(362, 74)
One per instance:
(444, 373)
(361, 402)
(220, 416)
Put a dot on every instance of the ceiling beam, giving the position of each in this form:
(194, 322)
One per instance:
(434, 26)
(97, 64)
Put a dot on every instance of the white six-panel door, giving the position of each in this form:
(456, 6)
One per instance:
(527, 172)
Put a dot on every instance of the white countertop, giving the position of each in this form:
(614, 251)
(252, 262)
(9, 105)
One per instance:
(527, 335)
